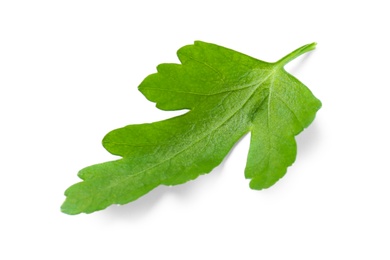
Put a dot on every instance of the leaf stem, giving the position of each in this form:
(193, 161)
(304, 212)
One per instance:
(298, 52)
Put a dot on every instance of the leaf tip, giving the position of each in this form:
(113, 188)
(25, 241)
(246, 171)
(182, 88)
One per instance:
(68, 209)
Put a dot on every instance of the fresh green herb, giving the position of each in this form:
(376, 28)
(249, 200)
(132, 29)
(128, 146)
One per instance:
(228, 94)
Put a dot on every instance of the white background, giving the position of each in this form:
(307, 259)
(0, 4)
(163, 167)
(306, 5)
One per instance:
(69, 72)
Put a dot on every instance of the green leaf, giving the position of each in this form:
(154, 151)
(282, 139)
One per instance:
(228, 94)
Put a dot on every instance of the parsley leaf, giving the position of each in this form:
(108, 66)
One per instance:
(228, 94)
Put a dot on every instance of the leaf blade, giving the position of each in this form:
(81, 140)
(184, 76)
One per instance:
(228, 94)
